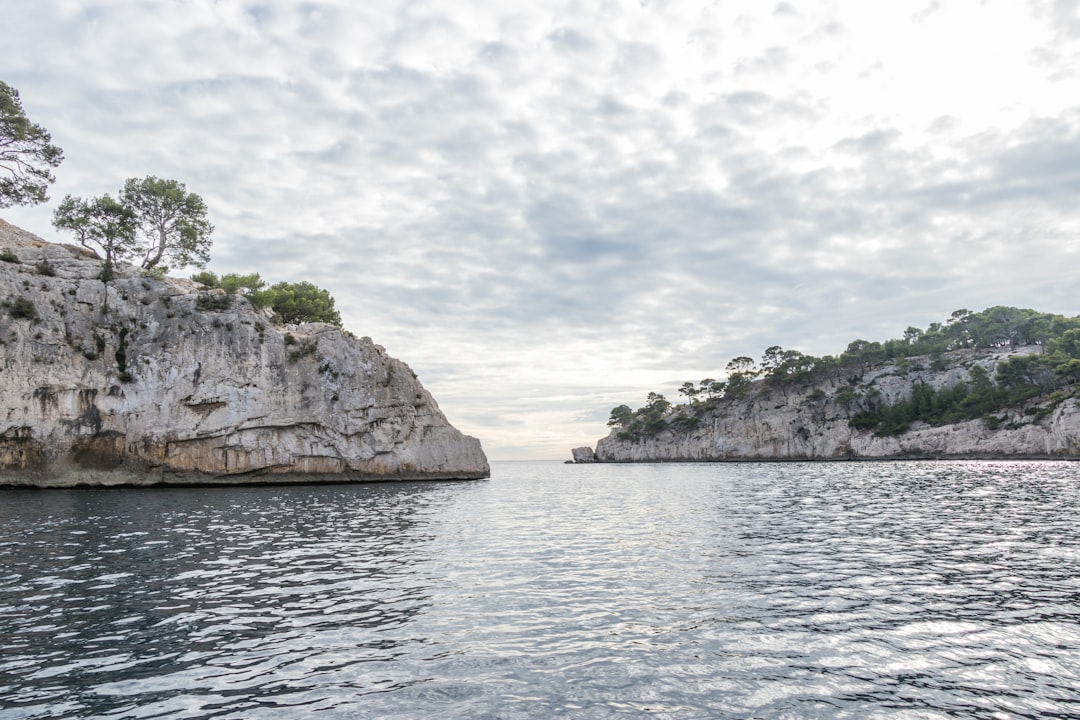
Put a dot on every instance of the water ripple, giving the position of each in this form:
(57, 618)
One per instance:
(906, 590)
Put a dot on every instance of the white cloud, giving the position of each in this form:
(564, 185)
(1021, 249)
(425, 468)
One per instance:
(553, 209)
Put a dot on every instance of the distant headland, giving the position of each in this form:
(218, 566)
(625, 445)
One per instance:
(1001, 383)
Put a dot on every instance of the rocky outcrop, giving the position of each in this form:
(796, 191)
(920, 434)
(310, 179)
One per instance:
(810, 421)
(583, 455)
(142, 380)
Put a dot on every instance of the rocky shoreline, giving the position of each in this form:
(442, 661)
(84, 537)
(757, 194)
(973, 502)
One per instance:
(811, 421)
(143, 380)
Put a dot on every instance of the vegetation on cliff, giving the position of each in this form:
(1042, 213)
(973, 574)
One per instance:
(152, 219)
(138, 380)
(151, 222)
(1052, 374)
(291, 302)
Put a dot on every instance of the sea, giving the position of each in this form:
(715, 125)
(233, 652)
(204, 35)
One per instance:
(710, 590)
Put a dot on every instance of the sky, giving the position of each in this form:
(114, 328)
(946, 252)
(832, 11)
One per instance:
(553, 209)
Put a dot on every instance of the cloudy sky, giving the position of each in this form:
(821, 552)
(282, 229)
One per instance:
(552, 210)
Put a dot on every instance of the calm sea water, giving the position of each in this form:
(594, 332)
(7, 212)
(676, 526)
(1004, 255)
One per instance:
(851, 590)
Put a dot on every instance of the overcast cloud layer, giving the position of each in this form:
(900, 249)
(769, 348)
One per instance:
(553, 210)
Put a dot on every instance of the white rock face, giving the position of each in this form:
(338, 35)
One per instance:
(583, 455)
(808, 422)
(145, 381)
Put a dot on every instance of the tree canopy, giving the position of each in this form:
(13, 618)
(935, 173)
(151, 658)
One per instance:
(101, 224)
(27, 154)
(299, 303)
(172, 223)
(167, 223)
(646, 421)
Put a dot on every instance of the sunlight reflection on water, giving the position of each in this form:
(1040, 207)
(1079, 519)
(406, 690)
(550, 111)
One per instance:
(685, 591)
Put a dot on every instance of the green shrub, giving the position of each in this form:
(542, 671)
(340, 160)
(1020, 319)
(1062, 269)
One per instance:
(21, 309)
(304, 350)
(232, 283)
(212, 303)
(246, 285)
(206, 278)
(686, 422)
(298, 303)
(8, 256)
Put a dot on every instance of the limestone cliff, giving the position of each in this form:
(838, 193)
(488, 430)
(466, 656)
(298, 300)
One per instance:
(145, 381)
(811, 421)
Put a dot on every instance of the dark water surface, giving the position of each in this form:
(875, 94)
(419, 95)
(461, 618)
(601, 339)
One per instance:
(852, 590)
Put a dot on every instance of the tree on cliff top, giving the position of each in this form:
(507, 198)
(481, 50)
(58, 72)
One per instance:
(26, 154)
(99, 224)
(169, 223)
(172, 222)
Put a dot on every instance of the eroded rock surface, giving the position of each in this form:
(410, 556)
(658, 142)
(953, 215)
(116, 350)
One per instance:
(146, 381)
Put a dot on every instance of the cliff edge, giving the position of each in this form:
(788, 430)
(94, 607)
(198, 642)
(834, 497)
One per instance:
(141, 381)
